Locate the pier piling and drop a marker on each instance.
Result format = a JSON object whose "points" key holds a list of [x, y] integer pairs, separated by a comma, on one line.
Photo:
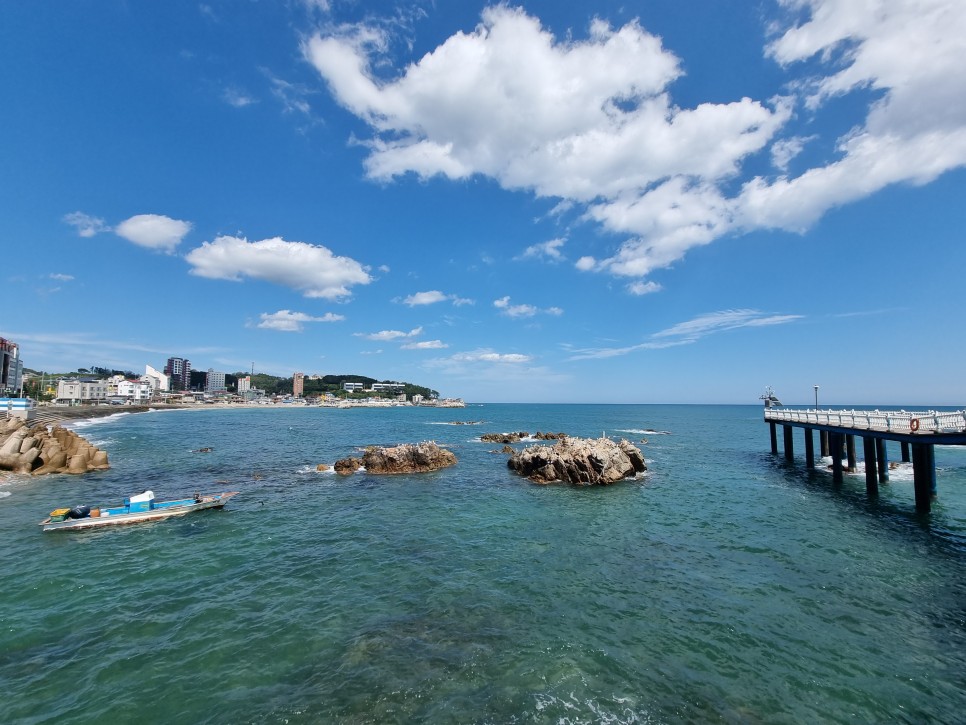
{"points": [[916, 432]]}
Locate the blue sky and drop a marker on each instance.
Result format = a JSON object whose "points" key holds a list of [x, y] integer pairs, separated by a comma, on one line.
{"points": [[539, 202]]}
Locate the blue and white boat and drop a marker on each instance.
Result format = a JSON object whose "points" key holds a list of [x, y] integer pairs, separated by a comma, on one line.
{"points": [[135, 510]]}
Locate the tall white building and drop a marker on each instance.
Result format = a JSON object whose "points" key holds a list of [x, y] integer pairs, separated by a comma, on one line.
{"points": [[159, 381], [244, 384], [215, 382]]}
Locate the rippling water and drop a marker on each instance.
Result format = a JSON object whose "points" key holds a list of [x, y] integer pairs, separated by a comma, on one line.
{"points": [[724, 586]]}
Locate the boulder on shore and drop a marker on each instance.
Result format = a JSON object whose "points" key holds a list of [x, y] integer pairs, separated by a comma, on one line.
{"points": [[581, 461], [406, 458], [38, 451]]}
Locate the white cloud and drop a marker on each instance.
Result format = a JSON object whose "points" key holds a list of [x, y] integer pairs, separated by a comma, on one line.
{"points": [[690, 331], [592, 122], [86, 225], [545, 250], [488, 356], [509, 310], [237, 98], [311, 269], [723, 320], [425, 298], [386, 335], [431, 297], [643, 288], [287, 321], [61, 277], [154, 231], [425, 345]]}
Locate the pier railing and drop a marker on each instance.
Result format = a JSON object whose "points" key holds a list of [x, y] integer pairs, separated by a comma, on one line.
{"points": [[901, 421]]}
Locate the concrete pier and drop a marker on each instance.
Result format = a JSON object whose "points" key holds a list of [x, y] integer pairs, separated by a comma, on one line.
{"points": [[919, 432]]}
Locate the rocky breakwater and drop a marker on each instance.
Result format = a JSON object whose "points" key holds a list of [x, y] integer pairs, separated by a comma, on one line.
{"points": [[581, 461], [37, 450], [406, 458]]}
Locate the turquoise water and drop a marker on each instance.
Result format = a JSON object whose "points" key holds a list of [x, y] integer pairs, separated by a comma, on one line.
{"points": [[724, 586]]}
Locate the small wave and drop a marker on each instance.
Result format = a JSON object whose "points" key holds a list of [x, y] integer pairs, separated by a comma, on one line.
{"points": [[644, 431], [4, 494], [455, 422], [88, 422], [315, 469]]}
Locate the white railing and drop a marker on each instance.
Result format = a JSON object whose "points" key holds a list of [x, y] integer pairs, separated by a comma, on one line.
{"points": [[893, 421]]}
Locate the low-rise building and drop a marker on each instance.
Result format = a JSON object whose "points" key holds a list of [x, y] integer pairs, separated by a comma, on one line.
{"points": [[72, 391]]}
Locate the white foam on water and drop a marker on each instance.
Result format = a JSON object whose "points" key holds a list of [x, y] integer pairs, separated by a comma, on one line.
{"points": [[4, 494], [644, 431], [88, 422]]}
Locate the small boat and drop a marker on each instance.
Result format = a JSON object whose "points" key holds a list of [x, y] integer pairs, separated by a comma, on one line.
{"points": [[135, 510]]}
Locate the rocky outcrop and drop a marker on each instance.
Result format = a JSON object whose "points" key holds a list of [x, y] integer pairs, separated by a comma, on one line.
{"points": [[581, 461], [519, 436], [37, 450], [406, 458]]}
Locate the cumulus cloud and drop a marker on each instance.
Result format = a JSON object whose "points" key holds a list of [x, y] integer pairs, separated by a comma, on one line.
{"points": [[425, 345], [503, 304], [86, 225], [154, 231], [592, 122], [386, 335], [545, 250], [310, 269], [431, 297], [643, 288], [288, 321]]}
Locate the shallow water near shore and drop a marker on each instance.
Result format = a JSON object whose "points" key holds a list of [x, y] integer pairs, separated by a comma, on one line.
{"points": [[726, 585]]}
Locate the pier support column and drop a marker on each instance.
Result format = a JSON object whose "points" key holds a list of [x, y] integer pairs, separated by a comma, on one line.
{"points": [[789, 444], [871, 477], [809, 448], [882, 460], [850, 452], [924, 475], [835, 444], [774, 438], [905, 452], [823, 440]]}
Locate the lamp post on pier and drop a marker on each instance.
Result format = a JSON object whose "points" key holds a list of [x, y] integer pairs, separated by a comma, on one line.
{"points": [[816, 397]]}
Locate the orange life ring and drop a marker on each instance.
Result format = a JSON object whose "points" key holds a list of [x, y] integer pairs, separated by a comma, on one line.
{"points": [[914, 424]]}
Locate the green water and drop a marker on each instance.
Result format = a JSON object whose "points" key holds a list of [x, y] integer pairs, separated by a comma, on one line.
{"points": [[724, 586]]}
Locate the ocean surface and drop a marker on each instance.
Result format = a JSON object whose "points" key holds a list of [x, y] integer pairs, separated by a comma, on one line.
{"points": [[726, 585]]}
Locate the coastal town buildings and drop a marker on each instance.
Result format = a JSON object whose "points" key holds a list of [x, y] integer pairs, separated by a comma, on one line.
{"points": [[215, 382], [298, 384], [11, 366], [73, 391], [159, 381], [244, 384], [178, 371]]}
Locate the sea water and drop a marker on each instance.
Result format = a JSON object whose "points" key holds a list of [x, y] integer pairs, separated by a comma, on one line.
{"points": [[725, 585]]}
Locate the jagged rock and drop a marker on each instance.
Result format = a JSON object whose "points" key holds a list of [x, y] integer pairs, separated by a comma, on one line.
{"points": [[508, 450], [322, 467], [347, 465], [581, 461], [504, 437], [406, 458], [549, 436]]}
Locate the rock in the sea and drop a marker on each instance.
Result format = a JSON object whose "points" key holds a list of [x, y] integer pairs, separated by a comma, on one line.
{"points": [[407, 458], [581, 461], [35, 450], [346, 466], [504, 437]]}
